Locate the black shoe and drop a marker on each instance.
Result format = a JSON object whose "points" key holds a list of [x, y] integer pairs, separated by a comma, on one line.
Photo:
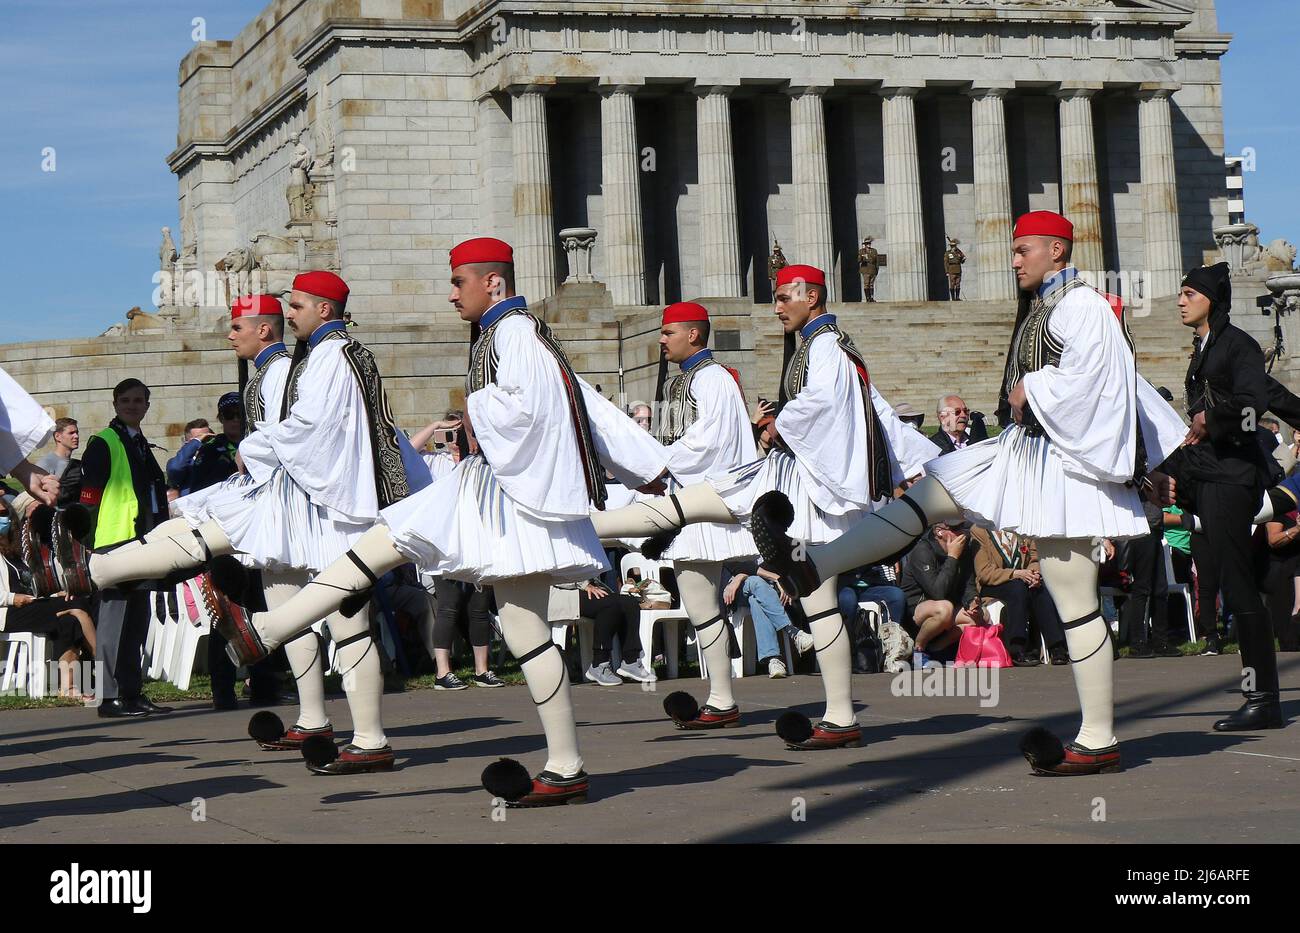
{"points": [[1059, 655], [1211, 647], [1260, 711], [224, 703], [150, 707], [1140, 650], [1166, 650], [119, 708], [1024, 660]]}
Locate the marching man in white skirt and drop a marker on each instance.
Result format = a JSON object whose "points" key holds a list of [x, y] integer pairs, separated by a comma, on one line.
{"points": [[257, 336], [704, 425], [1064, 473], [839, 449], [513, 514], [24, 426], [321, 475]]}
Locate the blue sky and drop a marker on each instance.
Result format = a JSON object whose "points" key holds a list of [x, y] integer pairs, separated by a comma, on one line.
{"points": [[96, 80]]}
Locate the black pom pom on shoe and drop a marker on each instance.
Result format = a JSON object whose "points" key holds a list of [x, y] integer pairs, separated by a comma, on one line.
{"points": [[318, 750], [355, 602], [681, 706], [774, 508], [230, 577], [794, 727], [266, 727], [79, 522], [653, 547], [1042, 748], [507, 779]]}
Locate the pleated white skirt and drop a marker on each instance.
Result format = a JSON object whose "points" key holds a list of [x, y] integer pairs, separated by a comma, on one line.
{"points": [[741, 487], [1018, 483], [465, 527], [276, 524]]}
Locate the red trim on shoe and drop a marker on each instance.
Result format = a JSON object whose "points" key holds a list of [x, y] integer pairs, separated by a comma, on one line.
{"points": [[710, 717], [546, 793], [826, 736], [294, 736], [1079, 760], [353, 760]]}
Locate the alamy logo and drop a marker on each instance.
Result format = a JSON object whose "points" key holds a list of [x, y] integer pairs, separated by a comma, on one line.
{"points": [[103, 886]]}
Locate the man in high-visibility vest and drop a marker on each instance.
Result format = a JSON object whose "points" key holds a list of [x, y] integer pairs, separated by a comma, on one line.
{"points": [[124, 489]]}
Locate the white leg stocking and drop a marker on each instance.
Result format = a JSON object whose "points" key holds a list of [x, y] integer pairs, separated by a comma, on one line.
{"points": [[170, 551], [698, 583], [521, 604], [697, 503], [327, 590], [363, 681], [1070, 575], [834, 657], [303, 652]]}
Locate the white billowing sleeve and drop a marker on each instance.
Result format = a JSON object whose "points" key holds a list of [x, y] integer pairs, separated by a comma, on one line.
{"points": [[909, 449], [24, 425], [272, 387], [523, 426], [1162, 430], [721, 438], [324, 443], [632, 454], [825, 425], [1087, 404]]}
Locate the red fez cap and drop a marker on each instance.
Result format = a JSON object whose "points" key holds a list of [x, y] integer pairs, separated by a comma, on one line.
{"points": [[1044, 223], [255, 305], [323, 285], [810, 275], [482, 249], [684, 312]]}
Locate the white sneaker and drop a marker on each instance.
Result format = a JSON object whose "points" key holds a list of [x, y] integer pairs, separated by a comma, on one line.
{"points": [[636, 671], [601, 674], [803, 641], [776, 669]]}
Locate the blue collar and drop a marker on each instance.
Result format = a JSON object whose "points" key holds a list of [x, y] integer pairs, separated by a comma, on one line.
{"points": [[501, 309], [260, 360], [1057, 280], [695, 359], [324, 331], [816, 323]]}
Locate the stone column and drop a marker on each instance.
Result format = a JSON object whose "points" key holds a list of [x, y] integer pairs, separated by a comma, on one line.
{"points": [[1159, 193], [1080, 192], [620, 184], [719, 222], [813, 241], [534, 208], [994, 280], [904, 224]]}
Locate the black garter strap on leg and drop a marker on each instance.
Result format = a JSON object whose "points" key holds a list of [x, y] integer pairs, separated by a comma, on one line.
{"points": [[352, 639], [303, 634], [360, 565], [315, 651], [537, 653], [1084, 620], [825, 615], [733, 646], [681, 514], [920, 513]]}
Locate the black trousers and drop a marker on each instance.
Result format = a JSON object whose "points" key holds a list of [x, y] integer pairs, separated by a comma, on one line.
{"points": [[457, 601], [121, 626], [1207, 586], [1021, 605], [1145, 562], [263, 685], [1280, 592], [1225, 513], [614, 614]]}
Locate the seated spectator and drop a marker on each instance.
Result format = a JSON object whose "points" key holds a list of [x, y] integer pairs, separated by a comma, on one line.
{"points": [[613, 614], [178, 467], [939, 581], [460, 605], [878, 583], [954, 422], [1006, 569], [65, 623], [649, 592], [767, 608], [1283, 539], [642, 414]]}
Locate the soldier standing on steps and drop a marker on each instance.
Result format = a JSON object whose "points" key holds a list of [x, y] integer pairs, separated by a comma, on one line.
{"points": [[953, 258], [775, 263], [869, 268]]}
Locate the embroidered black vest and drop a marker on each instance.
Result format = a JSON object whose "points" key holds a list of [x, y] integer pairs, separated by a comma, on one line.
{"points": [[680, 409], [390, 473], [483, 362], [880, 477], [254, 411]]}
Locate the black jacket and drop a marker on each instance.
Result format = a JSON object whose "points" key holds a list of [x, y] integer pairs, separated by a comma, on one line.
{"points": [[929, 573], [146, 478], [1227, 382]]}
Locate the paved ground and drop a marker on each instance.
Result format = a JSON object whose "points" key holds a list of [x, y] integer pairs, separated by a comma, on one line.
{"points": [[934, 769]]}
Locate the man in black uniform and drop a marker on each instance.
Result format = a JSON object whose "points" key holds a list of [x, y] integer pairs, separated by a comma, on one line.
{"points": [[1222, 471]]}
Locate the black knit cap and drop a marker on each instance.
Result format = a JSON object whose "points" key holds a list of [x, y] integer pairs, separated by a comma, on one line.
{"points": [[1214, 282]]}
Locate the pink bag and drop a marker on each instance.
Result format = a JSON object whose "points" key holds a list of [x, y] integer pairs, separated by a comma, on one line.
{"points": [[981, 646]]}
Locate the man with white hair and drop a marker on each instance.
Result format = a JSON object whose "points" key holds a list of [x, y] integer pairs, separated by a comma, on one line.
{"points": [[954, 421]]}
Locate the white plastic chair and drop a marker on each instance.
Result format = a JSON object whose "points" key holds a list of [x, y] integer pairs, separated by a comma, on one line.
{"points": [[650, 570], [994, 609], [25, 663], [1180, 589], [586, 637]]}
